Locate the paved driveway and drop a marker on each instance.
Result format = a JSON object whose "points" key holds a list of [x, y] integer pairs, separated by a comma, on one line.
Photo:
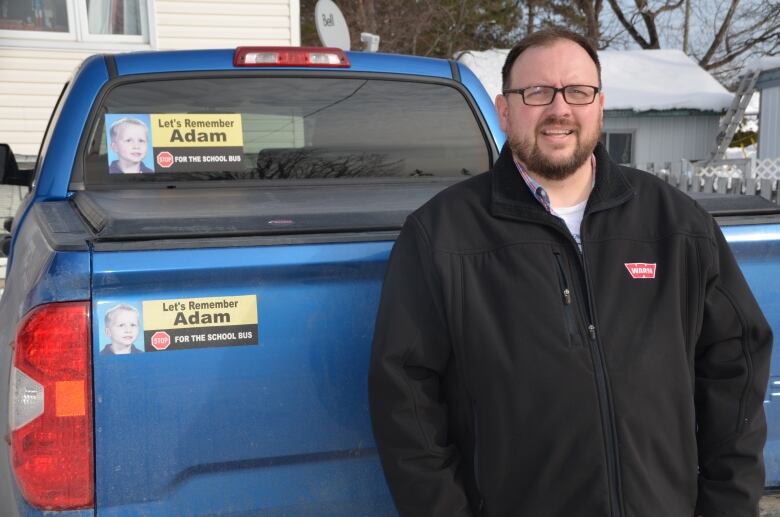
{"points": [[770, 506]]}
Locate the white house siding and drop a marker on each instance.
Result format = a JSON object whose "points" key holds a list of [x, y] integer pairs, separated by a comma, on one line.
{"points": [[665, 138], [769, 123], [32, 78], [209, 24], [30, 82]]}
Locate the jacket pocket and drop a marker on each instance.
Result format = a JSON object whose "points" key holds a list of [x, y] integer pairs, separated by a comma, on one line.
{"points": [[567, 298]]}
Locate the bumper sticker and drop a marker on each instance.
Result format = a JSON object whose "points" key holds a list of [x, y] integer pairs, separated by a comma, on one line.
{"points": [[185, 323]]}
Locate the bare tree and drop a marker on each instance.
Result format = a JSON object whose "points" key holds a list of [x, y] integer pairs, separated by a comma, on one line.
{"points": [[367, 15], [426, 27], [530, 22], [648, 16], [591, 10], [752, 28], [686, 25], [737, 28]]}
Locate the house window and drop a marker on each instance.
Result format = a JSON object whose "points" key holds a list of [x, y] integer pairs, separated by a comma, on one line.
{"points": [[109, 21], [619, 146], [115, 17], [31, 15]]}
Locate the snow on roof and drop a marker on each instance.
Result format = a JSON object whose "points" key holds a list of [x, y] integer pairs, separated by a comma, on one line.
{"points": [[638, 80]]}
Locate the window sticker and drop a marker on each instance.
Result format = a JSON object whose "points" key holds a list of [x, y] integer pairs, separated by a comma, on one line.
{"points": [[185, 323], [149, 143], [129, 145], [120, 325]]}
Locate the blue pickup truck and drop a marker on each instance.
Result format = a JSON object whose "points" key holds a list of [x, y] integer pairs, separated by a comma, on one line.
{"points": [[223, 218]]}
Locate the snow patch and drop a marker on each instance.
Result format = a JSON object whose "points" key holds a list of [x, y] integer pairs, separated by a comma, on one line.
{"points": [[637, 80], [736, 153]]}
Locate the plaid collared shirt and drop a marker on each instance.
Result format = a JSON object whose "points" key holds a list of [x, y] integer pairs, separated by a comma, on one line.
{"points": [[538, 191]]}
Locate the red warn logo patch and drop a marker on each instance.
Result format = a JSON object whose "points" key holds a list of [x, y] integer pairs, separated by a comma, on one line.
{"points": [[641, 270]]}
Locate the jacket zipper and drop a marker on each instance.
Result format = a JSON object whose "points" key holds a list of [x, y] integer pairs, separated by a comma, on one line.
{"points": [[602, 382], [567, 299], [607, 409]]}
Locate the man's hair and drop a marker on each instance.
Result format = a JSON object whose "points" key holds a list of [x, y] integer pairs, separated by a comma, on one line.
{"points": [[120, 307], [123, 121], [546, 37]]}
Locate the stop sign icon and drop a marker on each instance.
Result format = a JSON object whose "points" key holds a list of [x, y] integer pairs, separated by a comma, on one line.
{"points": [[161, 340], [164, 159]]}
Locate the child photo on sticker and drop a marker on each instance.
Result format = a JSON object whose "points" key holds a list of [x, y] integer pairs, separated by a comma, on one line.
{"points": [[129, 144], [122, 327]]}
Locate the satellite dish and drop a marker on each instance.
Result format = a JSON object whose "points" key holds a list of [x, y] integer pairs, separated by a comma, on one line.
{"points": [[331, 25]]}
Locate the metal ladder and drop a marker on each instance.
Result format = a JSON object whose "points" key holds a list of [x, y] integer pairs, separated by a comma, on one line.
{"points": [[730, 121]]}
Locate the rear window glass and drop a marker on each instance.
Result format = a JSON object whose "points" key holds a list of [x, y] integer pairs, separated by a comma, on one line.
{"points": [[283, 128]]}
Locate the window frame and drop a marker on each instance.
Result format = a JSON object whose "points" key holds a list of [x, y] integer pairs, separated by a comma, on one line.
{"points": [[606, 133], [78, 35]]}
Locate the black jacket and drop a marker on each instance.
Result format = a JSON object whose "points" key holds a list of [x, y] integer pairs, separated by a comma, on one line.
{"points": [[512, 376]]}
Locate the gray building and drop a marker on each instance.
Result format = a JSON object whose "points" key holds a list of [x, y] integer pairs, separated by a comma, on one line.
{"points": [[660, 106], [768, 85], [658, 139]]}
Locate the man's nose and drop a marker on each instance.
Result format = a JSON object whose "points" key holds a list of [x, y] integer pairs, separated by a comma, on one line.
{"points": [[559, 107]]}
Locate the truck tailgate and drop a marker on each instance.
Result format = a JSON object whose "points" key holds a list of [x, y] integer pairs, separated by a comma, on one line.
{"points": [[280, 426], [257, 397]]}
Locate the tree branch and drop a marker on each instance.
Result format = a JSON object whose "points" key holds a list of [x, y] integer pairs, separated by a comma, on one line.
{"points": [[648, 17], [718, 39], [667, 7], [627, 25]]}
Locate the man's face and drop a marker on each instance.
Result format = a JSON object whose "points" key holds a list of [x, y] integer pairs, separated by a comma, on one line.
{"points": [[552, 141], [130, 143], [122, 328]]}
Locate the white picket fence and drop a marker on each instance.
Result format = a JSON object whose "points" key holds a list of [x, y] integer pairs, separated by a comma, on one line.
{"points": [[741, 176], [748, 168]]}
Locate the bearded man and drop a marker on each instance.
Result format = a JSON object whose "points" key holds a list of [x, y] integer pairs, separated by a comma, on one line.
{"points": [[563, 336]]}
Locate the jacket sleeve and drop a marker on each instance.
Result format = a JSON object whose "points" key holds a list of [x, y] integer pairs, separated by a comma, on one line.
{"points": [[410, 353], [732, 367]]}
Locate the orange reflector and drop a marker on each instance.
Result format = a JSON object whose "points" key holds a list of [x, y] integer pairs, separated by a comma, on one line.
{"points": [[291, 56], [69, 398]]}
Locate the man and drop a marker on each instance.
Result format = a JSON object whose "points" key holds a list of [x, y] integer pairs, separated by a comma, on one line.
{"points": [[563, 336]]}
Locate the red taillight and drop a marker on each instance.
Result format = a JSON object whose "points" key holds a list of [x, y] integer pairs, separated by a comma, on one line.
{"points": [[51, 407], [290, 56]]}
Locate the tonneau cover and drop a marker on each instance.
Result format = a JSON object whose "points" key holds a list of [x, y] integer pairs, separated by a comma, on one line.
{"points": [[734, 204], [121, 215]]}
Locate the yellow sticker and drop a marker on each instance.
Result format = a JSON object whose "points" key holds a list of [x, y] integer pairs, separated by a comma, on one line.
{"points": [[183, 130], [185, 323]]}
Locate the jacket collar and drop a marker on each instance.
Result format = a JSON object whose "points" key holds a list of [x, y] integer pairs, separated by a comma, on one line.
{"points": [[512, 198]]}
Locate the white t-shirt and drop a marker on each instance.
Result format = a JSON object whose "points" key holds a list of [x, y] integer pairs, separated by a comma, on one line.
{"points": [[572, 216]]}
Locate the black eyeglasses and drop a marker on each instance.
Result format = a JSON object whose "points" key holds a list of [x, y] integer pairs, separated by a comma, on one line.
{"points": [[576, 94]]}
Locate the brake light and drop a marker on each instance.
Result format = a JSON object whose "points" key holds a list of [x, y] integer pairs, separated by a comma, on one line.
{"points": [[51, 407], [290, 56]]}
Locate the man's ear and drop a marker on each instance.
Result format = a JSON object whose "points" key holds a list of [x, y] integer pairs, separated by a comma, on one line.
{"points": [[502, 108]]}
